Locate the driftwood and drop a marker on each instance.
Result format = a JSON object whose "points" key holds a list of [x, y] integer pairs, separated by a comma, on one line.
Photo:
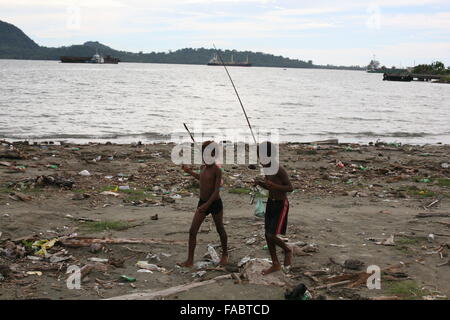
{"points": [[432, 203], [6, 142], [20, 196], [444, 223], [431, 215], [386, 298], [12, 154], [77, 242], [335, 284], [154, 295]]}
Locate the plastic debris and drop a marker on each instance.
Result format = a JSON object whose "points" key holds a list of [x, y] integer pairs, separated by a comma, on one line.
{"points": [[144, 271], [42, 245], [84, 173], [203, 264], [243, 261], [127, 278], [260, 209], [110, 193], [198, 274], [213, 254], [101, 260], [300, 292], [149, 266]]}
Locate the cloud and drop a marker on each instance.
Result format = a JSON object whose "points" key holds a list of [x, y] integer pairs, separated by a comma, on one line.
{"points": [[325, 31], [403, 53]]}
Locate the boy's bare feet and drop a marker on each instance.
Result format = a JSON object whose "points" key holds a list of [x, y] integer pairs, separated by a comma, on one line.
{"points": [[186, 264], [288, 257], [273, 268], [223, 260]]}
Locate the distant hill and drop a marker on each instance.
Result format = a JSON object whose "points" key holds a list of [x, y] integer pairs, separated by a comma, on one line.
{"points": [[14, 44]]}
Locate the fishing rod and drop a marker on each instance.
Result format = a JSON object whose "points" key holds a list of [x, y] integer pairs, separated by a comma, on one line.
{"points": [[192, 137], [254, 189], [237, 94]]}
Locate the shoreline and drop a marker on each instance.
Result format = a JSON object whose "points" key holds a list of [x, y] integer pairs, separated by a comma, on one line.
{"points": [[58, 142]]}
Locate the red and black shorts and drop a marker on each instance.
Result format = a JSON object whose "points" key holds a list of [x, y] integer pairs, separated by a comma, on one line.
{"points": [[276, 216]]}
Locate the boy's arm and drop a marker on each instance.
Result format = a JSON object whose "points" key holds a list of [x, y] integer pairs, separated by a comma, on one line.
{"points": [[216, 192], [286, 185], [189, 171]]}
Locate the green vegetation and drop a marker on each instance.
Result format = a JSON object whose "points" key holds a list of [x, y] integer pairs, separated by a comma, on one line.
{"points": [[444, 182], [16, 45], [445, 79], [436, 67], [407, 290], [106, 225], [421, 192], [410, 240], [239, 191], [79, 191], [7, 190]]}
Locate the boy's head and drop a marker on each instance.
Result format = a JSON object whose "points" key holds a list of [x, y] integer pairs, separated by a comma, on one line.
{"points": [[268, 156], [209, 152]]}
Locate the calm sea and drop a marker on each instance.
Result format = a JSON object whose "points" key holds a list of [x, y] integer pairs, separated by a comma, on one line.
{"points": [[48, 100]]}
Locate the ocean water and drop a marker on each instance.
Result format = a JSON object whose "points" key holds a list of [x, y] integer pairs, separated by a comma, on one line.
{"points": [[130, 102]]}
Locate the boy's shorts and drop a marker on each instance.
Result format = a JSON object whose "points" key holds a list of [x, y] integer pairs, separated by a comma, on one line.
{"points": [[214, 208], [276, 216]]}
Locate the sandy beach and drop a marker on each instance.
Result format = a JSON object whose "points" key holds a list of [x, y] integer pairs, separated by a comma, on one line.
{"points": [[353, 206]]}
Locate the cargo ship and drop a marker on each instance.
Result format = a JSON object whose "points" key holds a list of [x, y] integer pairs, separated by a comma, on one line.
{"points": [[94, 59], [215, 61]]}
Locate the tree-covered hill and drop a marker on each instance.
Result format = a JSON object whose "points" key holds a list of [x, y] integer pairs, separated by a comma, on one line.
{"points": [[14, 44]]}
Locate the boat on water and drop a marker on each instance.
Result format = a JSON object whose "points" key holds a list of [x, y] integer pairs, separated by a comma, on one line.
{"points": [[374, 67], [96, 58], [215, 61]]}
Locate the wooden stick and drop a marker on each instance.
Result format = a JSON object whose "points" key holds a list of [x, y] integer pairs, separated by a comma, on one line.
{"points": [[153, 295], [326, 286], [431, 215], [86, 242], [192, 137], [237, 94]]}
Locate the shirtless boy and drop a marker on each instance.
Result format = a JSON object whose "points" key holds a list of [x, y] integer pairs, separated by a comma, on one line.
{"points": [[210, 178], [277, 208]]}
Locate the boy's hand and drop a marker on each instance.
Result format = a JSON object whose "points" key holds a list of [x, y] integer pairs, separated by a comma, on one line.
{"points": [[258, 182], [270, 184], [185, 168], [202, 208]]}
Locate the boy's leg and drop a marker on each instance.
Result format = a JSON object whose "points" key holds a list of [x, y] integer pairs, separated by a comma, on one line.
{"points": [[196, 223], [218, 221], [271, 244], [287, 251]]}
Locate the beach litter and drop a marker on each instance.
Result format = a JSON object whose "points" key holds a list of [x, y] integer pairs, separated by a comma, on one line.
{"points": [[84, 173], [149, 266], [252, 272]]}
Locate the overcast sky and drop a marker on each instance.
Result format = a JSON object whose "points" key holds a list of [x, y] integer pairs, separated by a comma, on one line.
{"points": [[398, 32]]}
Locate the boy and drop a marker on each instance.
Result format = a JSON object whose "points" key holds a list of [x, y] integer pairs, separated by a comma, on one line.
{"points": [[278, 183], [210, 178]]}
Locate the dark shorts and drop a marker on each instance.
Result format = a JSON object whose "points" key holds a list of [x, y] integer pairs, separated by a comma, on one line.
{"points": [[276, 216], [214, 208]]}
